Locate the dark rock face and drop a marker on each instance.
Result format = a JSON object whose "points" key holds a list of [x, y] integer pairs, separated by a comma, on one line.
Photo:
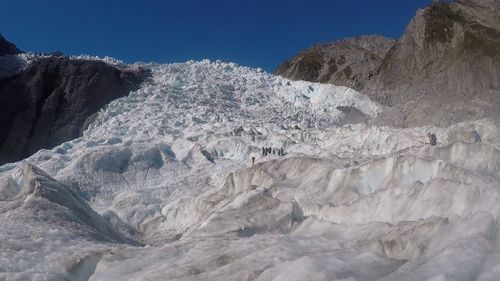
{"points": [[444, 69], [7, 48], [349, 62], [50, 102]]}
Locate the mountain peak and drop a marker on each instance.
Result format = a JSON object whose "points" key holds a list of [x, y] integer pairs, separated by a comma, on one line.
{"points": [[7, 48]]}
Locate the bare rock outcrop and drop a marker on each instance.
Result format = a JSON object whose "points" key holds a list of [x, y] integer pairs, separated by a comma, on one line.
{"points": [[444, 69], [349, 62], [7, 48], [53, 99]]}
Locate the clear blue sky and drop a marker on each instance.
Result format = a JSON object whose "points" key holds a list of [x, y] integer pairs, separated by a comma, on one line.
{"points": [[258, 33]]}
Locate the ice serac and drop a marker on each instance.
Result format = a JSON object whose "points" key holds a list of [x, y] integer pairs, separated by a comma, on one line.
{"points": [[444, 69], [53, 99], [350, 62]]}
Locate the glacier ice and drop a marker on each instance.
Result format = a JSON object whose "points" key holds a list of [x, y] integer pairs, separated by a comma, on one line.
{"points": [[161, 187]]}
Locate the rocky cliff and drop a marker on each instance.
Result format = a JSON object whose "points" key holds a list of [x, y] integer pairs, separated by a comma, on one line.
{"points": [[7, 48], [444, 69], [350, 62], [53, 99]]}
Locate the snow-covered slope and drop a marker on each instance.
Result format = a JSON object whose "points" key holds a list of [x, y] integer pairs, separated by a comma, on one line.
{"points": [[169, 167]]}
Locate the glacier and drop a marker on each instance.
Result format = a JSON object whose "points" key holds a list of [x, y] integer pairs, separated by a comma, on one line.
{"points": [[161, 187]]}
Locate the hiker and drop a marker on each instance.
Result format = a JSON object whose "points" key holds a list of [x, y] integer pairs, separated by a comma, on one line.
{"points": [[476, 136], [432, 138], [253, 160], [264, 151], [282, 151]]}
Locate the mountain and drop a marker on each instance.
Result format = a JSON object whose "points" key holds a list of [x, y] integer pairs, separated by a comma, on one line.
{"points": [[7, 48], [350, 62], [51, 99], [444, 69]]}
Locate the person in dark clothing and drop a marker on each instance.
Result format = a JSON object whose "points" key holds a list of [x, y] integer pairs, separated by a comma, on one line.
{"points": [[432, 138], [263, 151], [282, 151], [476, 136]]}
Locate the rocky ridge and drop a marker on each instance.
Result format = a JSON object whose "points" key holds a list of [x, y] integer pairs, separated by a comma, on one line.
{"points": [[350, 62]]}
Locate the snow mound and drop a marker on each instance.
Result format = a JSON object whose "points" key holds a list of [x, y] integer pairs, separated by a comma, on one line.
{"points": [[49, 231], [30, 188]]}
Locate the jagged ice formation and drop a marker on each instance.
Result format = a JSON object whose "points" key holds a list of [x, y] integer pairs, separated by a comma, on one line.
{"points": [[169, 167]]}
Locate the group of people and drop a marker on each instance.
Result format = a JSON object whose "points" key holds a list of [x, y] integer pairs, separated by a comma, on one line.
{"points": [[280, 151], [433, 139], [273, 150]]}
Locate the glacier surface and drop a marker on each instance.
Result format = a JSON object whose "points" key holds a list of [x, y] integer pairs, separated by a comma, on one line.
{"points": [[161, 187]]}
